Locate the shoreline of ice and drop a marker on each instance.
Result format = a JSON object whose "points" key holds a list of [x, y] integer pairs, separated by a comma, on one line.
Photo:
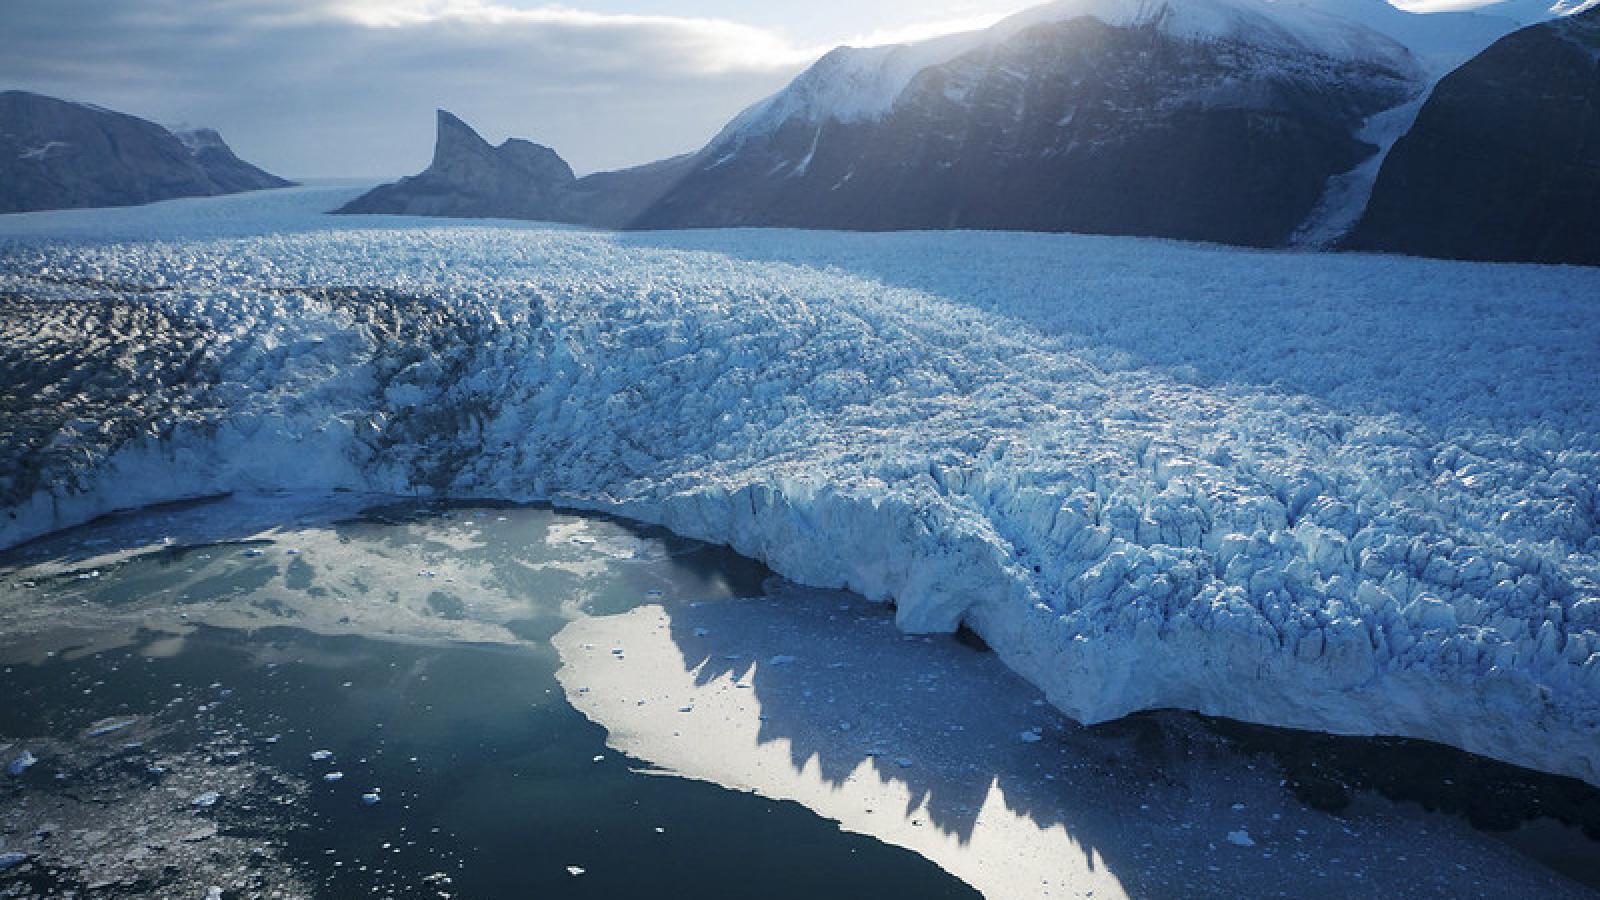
{"points": [[1353, 494]]}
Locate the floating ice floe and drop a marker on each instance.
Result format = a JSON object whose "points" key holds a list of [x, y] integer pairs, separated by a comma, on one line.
{"points": [[109, 726]]}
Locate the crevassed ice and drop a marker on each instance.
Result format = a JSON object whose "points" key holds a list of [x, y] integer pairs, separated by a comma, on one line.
{"points": [[1346, 493]]}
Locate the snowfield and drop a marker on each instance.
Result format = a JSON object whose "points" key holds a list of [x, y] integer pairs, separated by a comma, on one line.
{"points": [[1347, 493]]}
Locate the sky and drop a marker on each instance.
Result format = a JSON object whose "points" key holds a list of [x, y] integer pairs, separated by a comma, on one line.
{"points": [[347, 88]]}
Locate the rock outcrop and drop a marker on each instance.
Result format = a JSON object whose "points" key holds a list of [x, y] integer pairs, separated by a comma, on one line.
{"points": [[469, 178], [227, 171]]}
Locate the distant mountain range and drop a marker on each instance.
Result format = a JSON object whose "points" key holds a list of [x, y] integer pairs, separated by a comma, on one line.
{"points": [[1239, 121], [56, 154]]}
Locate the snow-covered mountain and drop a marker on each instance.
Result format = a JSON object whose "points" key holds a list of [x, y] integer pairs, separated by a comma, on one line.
{"points": [[853, 85], [1256, 122], [1204, 119], [1504, 160], [55, 154]]}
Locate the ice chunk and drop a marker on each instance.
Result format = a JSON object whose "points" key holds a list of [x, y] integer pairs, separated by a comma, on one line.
{"points": [[22, 763], [109, 726]]}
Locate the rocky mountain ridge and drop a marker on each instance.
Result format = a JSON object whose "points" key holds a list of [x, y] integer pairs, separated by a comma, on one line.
{"points": [[55, 154]]}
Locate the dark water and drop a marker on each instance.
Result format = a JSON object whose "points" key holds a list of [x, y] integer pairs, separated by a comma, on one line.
{"points": [[413, 644], [489, 783], [485, 773]]}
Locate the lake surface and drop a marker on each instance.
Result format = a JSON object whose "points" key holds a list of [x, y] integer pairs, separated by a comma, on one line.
{"points": [[338, 696]]}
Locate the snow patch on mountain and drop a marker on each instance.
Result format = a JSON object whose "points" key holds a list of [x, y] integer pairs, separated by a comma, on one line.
{"points": [[45, 150], [862, 84]]}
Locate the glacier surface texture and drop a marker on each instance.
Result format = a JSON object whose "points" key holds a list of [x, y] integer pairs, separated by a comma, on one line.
{"points": [[1348, 493]]}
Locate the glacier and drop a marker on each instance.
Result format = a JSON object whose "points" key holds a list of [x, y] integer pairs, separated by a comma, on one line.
{"points": [[1339, 492]]}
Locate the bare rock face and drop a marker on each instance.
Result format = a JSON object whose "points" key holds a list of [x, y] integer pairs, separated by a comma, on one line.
{"points": [[469, 178], [58, 155], [1068, 126], [1207, 121], [1504, 160]]}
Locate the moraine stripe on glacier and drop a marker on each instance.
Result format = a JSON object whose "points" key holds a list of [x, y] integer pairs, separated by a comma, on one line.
{"points": [[1347, 493]]}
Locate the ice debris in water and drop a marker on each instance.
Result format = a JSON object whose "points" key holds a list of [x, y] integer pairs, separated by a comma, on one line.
{"points": [[23, 762], [1032, 736], [10, 860], [321, 755], [333, 776], [575, 870], [207, 799], [1240, 838], [370, 798], [108, 726]]}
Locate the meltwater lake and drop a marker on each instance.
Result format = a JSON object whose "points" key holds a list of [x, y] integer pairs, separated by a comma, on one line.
{"points": [[343, 695]]}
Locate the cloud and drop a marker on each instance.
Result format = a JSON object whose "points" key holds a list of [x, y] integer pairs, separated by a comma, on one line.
{"points": [[699, 44], [349, 86], [313, 88], [922, 31]]}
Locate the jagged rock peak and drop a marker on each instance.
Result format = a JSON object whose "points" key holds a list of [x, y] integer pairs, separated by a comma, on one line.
{"points": [[470, 178]]}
